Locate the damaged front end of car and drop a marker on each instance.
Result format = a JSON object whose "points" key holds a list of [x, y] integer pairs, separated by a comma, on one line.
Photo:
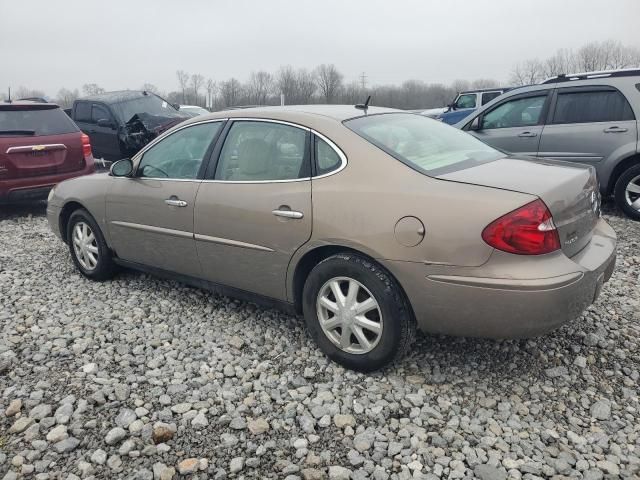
{"points": [[144, 127]]}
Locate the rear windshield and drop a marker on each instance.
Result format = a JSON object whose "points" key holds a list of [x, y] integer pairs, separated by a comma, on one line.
{"points": [[37, 122], [422, 143]]}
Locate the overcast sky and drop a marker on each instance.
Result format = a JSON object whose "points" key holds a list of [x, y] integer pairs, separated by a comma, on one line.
{"points": [[117, 44]]}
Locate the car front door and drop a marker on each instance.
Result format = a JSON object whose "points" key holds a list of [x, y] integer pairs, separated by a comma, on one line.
{"points": [[254, 210], [104, 133], [587, 124], [150, 215], [514, 125]]}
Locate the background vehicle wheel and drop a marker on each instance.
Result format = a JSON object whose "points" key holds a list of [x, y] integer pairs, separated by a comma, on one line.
{"points": [[357, 313], [627, 192], [88, 248]]}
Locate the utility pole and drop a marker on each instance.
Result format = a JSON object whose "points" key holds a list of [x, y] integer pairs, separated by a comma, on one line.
{"points": [[363, 81]]}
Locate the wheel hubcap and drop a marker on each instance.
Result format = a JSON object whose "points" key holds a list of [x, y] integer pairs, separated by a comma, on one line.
{"points": [[85, 246], [632, 193], [349, 315]]}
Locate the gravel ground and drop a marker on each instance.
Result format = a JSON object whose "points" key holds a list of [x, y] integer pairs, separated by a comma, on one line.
{"points": [[144, 378]]}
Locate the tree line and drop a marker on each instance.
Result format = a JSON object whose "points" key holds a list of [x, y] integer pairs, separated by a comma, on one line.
{"points": [[326, 84]]}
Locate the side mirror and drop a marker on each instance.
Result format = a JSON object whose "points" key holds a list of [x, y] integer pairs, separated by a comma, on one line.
{"points": [[122, 168], [475, 124], [176, 106], [103, 122]]}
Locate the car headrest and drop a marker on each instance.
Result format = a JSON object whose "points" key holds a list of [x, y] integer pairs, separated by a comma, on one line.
{"points": [[253, 157]]}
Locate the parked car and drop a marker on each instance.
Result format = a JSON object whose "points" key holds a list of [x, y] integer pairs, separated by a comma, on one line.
{"points": [[39, 147], [467, 102], [121, 123], [410, 221], [193, 110], [431, 112], [588, 118]]}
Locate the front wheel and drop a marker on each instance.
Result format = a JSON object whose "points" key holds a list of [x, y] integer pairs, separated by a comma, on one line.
{"points": [[627, 192], [89, 250], [357, 313]]}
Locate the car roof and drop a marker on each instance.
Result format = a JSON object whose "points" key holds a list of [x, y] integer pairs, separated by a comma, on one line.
{"points": [[335, 112], [117, 96], [27, 105]]}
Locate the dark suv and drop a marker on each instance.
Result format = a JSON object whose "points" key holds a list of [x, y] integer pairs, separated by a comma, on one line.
{"points": [[589, 118], [121, 123], [39, 147]]}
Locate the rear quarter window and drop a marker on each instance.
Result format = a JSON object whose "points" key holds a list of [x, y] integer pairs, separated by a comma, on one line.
{"points": [[51, 121]]}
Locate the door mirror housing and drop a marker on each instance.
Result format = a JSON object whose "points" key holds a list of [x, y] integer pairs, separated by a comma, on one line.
{"points": [[122, 168], [104, 122], [176, 106], [475, 124]]}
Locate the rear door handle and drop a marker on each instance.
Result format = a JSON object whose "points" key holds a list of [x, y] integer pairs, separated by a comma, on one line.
{"points": [[175, 202], [287, 213], [614, 130], [528, 134]]}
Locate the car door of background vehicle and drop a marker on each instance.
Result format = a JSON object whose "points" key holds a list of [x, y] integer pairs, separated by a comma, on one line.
{"points": [[104, 138], [150, 216], [515, 125], [254, 209], [587, 124]]}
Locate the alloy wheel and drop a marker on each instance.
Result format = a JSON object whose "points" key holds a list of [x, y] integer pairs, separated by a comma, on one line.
{"points": [[632, 193], [85, 246], [349, 315]]}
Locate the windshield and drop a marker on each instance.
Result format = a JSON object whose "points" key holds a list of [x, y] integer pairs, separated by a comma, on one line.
{"points": [[422, 143], [151, 104]]}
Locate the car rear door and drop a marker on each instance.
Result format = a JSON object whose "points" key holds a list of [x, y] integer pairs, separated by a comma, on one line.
{"points": [[150, 215], [587, 124], [254, 209], [515, 125]]}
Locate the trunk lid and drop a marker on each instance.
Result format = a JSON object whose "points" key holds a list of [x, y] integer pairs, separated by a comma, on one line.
{"points": [[569, 190]]}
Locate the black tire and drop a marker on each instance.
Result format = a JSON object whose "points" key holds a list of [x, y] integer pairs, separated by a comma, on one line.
{"points": [[398, 327], [620, 191], [105, 267]]}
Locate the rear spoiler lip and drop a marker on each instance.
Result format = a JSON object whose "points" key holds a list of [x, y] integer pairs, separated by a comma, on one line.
{"points": [[14, 106]]}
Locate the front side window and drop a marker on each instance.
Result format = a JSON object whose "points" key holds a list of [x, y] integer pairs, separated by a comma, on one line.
{"points": [[429, 146], [488, 96], [179, 155], [83, 112], [466, 101], [327, 159], [590, 107], [99, 113], [521, 112], [264, 151]]}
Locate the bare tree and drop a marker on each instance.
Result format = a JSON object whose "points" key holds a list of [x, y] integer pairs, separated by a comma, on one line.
{"points": [[24, 92], [485, 83], [460, 85], [92, 89], [230, 91], [329, 81], [527, 73], [306, 86], [183, 80], [259, 87], [66, 97], [197, 81], [287, 83]]}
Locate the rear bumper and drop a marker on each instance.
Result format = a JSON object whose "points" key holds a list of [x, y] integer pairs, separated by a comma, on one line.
{"points": [[31, 189], [501, 306]]}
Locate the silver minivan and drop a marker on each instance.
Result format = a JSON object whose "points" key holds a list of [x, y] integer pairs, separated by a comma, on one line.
{"points": [[589, 118]]}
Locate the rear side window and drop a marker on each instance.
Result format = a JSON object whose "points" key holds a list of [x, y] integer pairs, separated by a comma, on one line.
{"points": [[264, 151], [50, 121], [327, 159], [590, 107], [488, 96], [83, 112]]}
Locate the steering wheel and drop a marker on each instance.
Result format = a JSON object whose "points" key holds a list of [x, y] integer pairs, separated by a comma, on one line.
{"points": [[166, 175]]}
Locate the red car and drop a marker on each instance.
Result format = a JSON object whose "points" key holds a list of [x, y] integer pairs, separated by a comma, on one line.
{"points": [[39, 147]]}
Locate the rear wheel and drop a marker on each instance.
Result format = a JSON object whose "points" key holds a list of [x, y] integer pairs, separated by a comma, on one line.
{"points": [[89, 250], [356, 313], [627, 192]]}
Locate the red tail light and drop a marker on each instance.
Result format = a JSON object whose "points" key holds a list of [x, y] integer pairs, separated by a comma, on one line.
{"points": [[86, 146], [529, 230]]}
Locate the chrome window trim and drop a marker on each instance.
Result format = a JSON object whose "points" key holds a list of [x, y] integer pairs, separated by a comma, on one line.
{"points": [[339, 152], [138, 156]]}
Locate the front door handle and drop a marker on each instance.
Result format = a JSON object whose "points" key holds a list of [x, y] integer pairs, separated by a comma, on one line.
{"points": [[528, 134], [175, 202], [615, 129], [287, 213]]}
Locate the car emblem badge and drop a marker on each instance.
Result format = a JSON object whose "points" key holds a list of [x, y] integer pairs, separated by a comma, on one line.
{"points": [[37, 148]]}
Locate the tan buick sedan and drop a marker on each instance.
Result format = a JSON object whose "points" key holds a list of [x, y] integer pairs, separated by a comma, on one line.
{"points": [[369, 222]]}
